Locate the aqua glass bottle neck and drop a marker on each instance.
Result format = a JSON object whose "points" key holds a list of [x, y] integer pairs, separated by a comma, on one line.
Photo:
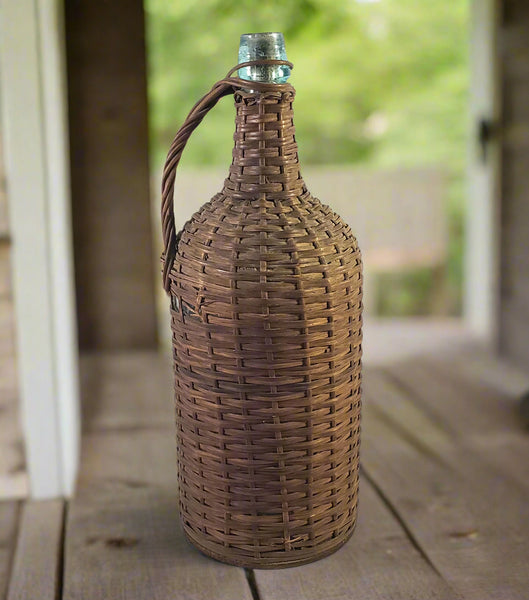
{"points": [[255, 46]]}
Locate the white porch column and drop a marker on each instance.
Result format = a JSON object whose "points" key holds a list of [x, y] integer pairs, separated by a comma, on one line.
{"points": [[33, 100], [481, 293]]}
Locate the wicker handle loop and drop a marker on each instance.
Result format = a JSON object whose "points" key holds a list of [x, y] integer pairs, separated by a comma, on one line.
{"points": [[224, 87]]}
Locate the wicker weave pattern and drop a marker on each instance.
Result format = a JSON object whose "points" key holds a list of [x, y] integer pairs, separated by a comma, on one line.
{"points": [[266, 317]]}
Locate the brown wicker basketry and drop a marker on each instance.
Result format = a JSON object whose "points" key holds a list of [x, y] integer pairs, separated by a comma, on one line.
{"points": [[265, 285]]}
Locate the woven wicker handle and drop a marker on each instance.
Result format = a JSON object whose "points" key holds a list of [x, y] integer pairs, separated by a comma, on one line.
{"points": [[224, 87]]}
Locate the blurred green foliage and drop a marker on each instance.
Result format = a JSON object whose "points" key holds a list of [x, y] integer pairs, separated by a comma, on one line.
{"points": [[379, 83]]}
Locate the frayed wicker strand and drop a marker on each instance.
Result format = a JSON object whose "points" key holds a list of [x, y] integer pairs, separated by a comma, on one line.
{"points": [[266, 286]]}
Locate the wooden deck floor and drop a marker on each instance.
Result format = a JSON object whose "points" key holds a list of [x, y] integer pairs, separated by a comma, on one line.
{"points": [[444, 502]]}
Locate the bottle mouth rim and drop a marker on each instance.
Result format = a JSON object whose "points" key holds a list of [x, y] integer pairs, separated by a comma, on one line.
{"points": [[262, 34]]}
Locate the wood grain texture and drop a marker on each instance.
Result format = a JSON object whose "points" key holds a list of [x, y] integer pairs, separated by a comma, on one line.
{"points": [[128, 420], [131, 458], [13, 476], [123, 535], [495, 373], [127, 390], [438, 518], [37, 567], [128, 543], [109, 167], [482, 419], [13, 473], [379, 561], [470, 518], [9, 518], [5, 269], [513, 55]]}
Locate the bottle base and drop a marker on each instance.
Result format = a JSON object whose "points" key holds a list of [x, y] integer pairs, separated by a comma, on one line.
{"points": [[279, 560]]}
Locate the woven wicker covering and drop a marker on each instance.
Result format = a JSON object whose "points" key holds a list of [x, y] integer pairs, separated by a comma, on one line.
{"points": [[265, 286]]}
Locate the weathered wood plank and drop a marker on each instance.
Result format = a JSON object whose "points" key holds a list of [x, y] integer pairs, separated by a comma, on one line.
{"points": [[13, 474], [37, 568], [128, 420], [132, 458], [127, 390], [462, 407], [110, 174], [512, 44], [5, 269], [515, 335], [482, 419], [469, 518], [493, 372], [513, 56], [123, 535], [379, 561], [9, 517], [129, 544]]}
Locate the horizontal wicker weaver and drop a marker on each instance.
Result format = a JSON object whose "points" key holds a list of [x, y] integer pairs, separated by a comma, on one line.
{"points": [[266, 298]]}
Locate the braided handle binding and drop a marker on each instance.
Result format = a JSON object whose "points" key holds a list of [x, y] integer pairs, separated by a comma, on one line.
{"points": [[222, 88]]}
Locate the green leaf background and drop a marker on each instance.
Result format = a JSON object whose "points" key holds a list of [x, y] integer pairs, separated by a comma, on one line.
{"points": [[380, 84]]}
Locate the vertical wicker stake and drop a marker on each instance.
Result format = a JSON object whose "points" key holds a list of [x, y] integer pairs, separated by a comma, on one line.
{"points": [[266, 300]]}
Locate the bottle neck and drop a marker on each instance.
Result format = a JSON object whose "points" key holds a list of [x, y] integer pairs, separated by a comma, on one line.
{"points": [[265, 155], [256, 46]]}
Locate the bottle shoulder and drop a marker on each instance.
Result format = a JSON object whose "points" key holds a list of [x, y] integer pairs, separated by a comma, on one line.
{"points": [[299, 225]]}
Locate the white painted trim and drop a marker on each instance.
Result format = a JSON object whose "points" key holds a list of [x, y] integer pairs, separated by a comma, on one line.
{"points": [[53, 52], [32, 88], [481, 292]]}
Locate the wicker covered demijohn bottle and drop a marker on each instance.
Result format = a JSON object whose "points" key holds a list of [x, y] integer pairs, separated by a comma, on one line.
{"points": [[265, 284]]}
